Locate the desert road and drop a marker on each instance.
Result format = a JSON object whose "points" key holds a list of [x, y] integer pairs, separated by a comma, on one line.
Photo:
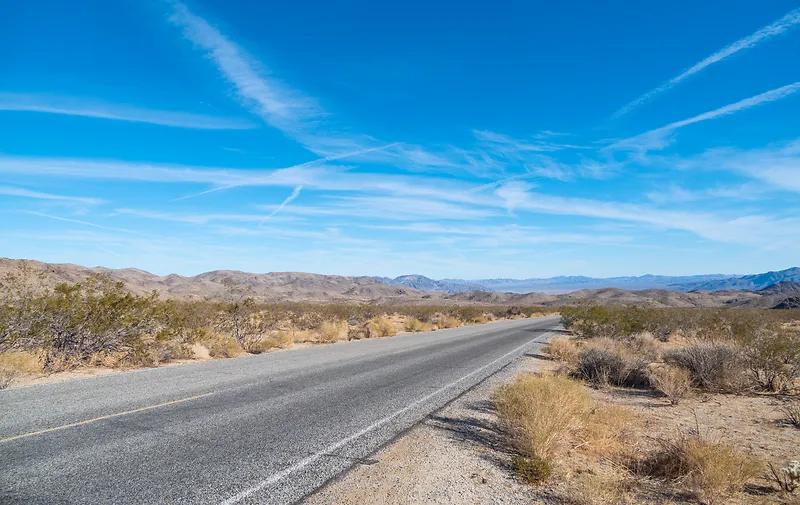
{"points": [[260, 429]]}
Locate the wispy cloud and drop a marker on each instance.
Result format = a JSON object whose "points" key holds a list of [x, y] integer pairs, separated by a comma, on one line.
{"points": [[276, 103], [660, 137], [76, 221], [776, 165], [26, 193], [256, 181], [778, 27], [72, 106]]}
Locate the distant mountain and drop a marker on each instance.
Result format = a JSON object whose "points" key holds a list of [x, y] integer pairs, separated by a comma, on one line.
{"points": [[781, 288], [422, 283], [567, 284], [753, 282]]}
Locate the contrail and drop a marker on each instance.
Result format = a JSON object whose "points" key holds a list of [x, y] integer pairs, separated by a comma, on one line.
{"points": [[780, 26], [308, 163], [283, 204]]}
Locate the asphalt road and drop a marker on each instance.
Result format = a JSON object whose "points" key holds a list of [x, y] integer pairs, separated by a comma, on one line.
{"points": [[262, 429]]}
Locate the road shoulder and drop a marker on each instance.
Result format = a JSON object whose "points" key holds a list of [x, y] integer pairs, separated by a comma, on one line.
{"points": [[456, 455]]}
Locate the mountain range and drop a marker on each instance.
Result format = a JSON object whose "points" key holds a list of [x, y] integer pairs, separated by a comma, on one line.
{"points": [[568, 284], [774, 289]]}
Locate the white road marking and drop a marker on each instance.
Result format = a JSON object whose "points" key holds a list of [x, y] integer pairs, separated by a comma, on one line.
{"points": [[274, 478]]}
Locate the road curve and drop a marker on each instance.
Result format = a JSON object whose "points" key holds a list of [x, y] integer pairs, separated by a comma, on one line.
{"points": [[265, 429]]}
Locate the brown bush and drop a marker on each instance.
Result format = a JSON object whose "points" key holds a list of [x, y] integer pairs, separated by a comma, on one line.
{"points": [[223, 347], [448, 322], [713, 366], [563, 349], [380, 327], [414, 325], [714, 470], [539, 413], [612, 364], [673, 382], [331, 331]]}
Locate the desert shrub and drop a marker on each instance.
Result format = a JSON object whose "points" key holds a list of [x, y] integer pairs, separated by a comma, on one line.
{"points": [[284, 339], [380, 327], [612, 365], [532, 469], [715, 470], [223, 347], [673, 382], [261, 345], [330, 331], [563, 349], [713, 366], [773, 358], [481, 319], [414, 325], [539, 413], [792, 411], [447, 322]]}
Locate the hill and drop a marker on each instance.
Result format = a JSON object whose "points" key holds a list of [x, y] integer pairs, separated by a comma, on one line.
{"points": [[222, 284], [407, 289]]}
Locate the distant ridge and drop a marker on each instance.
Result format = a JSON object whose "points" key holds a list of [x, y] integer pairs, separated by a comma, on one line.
{"points": [[408, 289]]}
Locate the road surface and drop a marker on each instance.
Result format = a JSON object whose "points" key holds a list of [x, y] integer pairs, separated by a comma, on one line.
{"points": [[265, 429]]}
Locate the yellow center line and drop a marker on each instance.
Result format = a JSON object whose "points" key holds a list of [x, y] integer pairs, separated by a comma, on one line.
{"points": [[101, 418]]}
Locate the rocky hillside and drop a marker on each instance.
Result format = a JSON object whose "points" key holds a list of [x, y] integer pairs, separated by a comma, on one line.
{"points": [[222, 284], [298, 286]]}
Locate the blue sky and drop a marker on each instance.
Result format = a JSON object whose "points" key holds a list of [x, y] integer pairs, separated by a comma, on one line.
{"points": [[451, 139]]}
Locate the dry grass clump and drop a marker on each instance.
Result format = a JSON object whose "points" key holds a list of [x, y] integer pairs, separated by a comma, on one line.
{"points": [[331, 331], [540, 412], [380, 327], [673, 382], [220, 346], [414, 325], [563, 349], [546, 416], [608, 430], [14, 364], [448, 322], [713, 470]]}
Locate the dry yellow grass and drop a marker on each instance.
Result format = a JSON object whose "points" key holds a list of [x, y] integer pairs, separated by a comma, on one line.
{"points": [[14, 364], [608, 431], [331, 331], [220, 346], [414, 325], [381, 327], [673, 382], [448, 322], [714, 470], [540, 412], [563, 349]]}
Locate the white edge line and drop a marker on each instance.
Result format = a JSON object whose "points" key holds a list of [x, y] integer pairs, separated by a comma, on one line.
{"points": [[272, 479]]}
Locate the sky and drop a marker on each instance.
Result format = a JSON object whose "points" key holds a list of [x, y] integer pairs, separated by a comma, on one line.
{"points": [[451, 139]]}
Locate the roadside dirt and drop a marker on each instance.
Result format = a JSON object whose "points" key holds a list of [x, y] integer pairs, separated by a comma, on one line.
{"points": [[456, 455]]}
